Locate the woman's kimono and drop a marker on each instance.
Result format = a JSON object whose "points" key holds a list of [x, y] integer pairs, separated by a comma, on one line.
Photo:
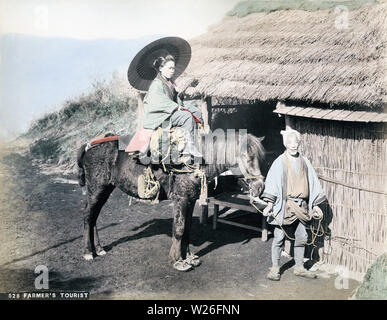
{"points": [[160, 102], [292, 189]]}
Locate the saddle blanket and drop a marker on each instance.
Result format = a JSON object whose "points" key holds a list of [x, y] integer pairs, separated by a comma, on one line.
{"points": [[138, 143]]}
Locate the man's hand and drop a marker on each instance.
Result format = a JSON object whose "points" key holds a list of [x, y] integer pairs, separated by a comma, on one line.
{"points": [[317, 212], [268, 209]]}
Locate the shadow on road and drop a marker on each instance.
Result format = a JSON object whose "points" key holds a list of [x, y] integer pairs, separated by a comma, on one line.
{"points": [[200, 234], [51, 247]]}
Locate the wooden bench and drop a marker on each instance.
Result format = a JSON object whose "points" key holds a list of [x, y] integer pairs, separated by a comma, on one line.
{"points": [[236, 201]]}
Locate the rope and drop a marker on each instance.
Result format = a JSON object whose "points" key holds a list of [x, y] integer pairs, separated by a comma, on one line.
{"points": [[250, 177], [152, 186], [175, 140], [361, 210], [350, 186], [343, 242], [353, 172], [315, 232]]}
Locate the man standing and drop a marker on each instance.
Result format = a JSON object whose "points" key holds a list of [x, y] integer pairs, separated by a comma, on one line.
{"points": [[293, 193]]}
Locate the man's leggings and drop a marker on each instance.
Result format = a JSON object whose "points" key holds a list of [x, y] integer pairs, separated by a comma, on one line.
{"points": [[301, 237]]}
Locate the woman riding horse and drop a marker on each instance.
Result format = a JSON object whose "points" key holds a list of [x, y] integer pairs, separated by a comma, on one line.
{"points": [[163, 106]]}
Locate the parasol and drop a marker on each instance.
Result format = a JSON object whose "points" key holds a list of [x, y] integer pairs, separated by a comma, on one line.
{"points": [[141, 72]]}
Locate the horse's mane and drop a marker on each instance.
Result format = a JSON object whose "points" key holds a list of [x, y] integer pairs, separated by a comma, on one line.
{"points": [[254, 146], [223, 147]]}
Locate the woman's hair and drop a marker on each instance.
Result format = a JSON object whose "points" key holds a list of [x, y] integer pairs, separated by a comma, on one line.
{"points": [[161, 61]]}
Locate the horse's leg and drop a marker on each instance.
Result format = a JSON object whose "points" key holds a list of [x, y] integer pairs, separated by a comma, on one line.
{"points": [[180, 209], [187, 230], [95, 202], [87, 249], [98, 248], [189, 256]]}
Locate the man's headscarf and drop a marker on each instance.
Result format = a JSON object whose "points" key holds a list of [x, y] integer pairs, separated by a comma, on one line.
{"points": [[288, 132]]}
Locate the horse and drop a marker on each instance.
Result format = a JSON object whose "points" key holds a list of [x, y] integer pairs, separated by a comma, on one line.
{"points": [[103, 168]]}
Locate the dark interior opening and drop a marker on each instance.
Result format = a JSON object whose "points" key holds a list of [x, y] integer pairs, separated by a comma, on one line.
{"points": [[259, 120]]}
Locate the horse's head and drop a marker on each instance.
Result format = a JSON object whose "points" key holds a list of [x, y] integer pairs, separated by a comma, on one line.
{"points": [[249, 165], [236, 149]]}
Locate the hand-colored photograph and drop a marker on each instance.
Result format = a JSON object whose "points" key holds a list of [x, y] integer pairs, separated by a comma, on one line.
{"points": [[167, 150]]}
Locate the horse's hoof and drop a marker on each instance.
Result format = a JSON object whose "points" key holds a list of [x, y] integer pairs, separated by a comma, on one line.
{"points": [[88, 256], [101, 253]]}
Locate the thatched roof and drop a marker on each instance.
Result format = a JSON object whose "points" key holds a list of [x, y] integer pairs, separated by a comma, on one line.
{"points": [[294, 55]]}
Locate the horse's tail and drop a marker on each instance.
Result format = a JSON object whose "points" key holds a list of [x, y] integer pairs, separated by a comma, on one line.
{"points": [[81, 170]]}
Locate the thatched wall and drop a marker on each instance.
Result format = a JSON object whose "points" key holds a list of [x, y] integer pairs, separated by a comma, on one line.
{"points": [[294, 55], [351, 160]]}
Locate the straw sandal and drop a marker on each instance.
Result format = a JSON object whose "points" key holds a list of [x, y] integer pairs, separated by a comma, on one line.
{"points": [[274, 274], [302, 272], [193, 260], [182, 265]]}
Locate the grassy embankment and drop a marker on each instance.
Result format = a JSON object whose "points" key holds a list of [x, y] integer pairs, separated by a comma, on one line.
{"points": [[110, 106], [245, 8]]}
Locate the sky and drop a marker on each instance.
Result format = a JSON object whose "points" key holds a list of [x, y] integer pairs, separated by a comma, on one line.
{"points": [[37, 68], [88, 19]]}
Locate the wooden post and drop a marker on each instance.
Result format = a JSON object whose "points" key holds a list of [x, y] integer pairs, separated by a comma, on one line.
{"points": [[205, 106], [264, 233], [215, 216], [140, 109], [206, 114], [289, 122], [204, 214]]}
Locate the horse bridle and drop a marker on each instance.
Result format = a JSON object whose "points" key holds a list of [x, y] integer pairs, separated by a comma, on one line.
{"points": [[246, 175], [250, 177]]}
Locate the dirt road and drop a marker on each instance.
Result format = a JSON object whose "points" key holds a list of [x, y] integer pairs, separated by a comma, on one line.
{"points": [[41, 224]]}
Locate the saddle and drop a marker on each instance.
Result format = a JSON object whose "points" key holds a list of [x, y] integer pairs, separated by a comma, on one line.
{"points": [[167, 146], [164, 146]]}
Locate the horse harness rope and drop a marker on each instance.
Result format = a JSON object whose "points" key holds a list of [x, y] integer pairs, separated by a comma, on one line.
{"points": [[315, 232]]}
